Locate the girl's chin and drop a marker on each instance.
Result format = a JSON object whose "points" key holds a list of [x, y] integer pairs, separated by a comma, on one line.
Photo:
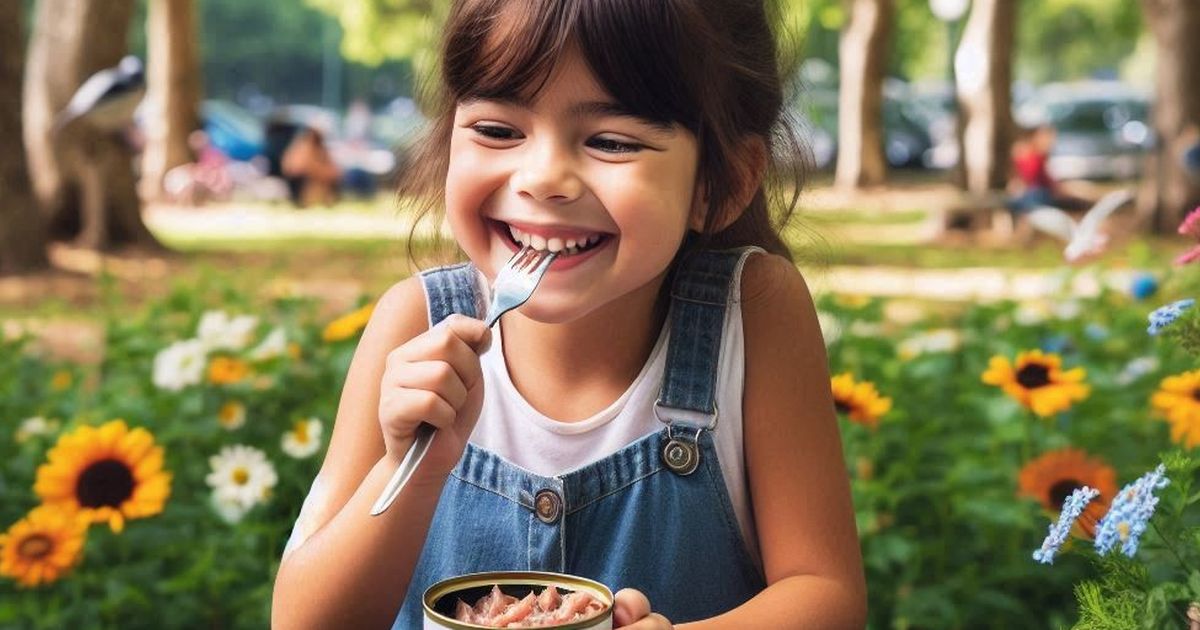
{"points": [[546, 309]]}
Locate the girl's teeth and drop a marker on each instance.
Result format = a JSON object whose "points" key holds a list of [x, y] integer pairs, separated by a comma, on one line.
{"points": [[565, 247]]}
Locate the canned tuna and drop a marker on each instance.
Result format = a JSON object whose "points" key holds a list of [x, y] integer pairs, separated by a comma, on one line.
{"points": [[518, 599]]}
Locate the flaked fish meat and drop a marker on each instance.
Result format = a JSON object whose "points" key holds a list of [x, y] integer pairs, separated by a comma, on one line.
{"points": [[546, 609]]}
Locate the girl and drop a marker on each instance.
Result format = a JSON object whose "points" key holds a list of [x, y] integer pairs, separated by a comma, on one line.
{"points": [[658, 416]]}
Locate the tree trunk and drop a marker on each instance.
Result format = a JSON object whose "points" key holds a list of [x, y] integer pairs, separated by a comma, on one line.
{"points": [[983, 67], [22, 233], [1169, 193], [83, 178], [862, 53], [173, 91]]}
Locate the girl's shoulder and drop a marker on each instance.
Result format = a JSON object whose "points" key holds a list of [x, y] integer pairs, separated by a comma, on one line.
{"points": [[771, 281], [400, 313]]}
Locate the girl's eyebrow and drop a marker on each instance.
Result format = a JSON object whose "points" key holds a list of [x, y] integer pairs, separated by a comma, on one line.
{"points": [[581, 109]]}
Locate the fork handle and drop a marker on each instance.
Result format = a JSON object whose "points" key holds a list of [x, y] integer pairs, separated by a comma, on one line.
{"points": [[416, 453]]}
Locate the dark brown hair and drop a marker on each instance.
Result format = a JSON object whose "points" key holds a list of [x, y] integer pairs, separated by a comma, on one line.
{"points": [[711, 66]]}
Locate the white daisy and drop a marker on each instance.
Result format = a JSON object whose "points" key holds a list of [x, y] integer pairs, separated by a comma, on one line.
{"points": [[37, 425], [303, 439], [180, 364], [933, 341], [229, 510], [831, 327], [241, 475], [1068, 309], [273, 345], [1137, 368], [220, 332], [1031, 313], [232, 415]]}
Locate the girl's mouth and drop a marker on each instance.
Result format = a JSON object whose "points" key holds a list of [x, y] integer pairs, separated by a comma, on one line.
{"points": [[571, 251]]}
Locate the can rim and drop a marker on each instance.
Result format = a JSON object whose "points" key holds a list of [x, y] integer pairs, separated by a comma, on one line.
{"points": [[535, 578]]}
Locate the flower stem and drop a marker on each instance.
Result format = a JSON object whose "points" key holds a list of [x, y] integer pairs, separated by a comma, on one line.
{"points": [[1186, 569]]}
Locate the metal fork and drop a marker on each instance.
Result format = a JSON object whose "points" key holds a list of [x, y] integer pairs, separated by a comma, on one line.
{"points": [[514, 284]]}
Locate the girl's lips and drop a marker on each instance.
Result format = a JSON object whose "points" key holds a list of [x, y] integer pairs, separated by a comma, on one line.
{"points": [[561, 263]]}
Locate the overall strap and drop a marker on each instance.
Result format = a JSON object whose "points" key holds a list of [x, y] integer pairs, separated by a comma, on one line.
{"points": [[699, 297], [451, 289]]}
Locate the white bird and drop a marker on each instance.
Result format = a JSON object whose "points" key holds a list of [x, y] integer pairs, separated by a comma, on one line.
{"points": [[108, 98], [1083, 237]]}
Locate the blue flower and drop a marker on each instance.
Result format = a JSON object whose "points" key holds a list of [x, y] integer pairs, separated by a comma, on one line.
{"points": [[1059, 530], [1130, 513], [1096, 332], [1143, 286], [1167, 315]]}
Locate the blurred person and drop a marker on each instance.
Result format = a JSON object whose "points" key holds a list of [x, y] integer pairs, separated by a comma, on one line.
{"points": [[205, 179], [308, 162], [1031, 185]]}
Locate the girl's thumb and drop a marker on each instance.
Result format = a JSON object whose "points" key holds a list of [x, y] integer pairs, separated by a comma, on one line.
{"points": [[472, 331], [629, 605]]}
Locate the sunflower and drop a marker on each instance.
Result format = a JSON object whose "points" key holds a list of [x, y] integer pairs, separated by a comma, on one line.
{"points": [[107, 473], [1053, 476], [348, 325], [859, 401], [227, 370], [1178, 398], [1038, 382], [42, 547]]}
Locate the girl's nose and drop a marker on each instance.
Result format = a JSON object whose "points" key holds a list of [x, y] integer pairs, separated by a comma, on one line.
{"points": [[547, 173]]}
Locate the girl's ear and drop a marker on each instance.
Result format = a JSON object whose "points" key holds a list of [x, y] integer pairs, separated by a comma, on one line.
{"points": [[749, 163]]}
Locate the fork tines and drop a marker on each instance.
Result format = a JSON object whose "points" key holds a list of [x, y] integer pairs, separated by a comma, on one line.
{"points": [[528, 258]]}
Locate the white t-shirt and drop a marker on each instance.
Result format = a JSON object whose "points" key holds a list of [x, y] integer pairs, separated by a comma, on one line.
{"points": [[511, 428]]}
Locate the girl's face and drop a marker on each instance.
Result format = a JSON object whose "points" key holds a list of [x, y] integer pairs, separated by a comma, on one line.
{"points": [[571, 171]]}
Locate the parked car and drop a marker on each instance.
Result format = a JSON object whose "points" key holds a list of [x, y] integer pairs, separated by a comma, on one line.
{"points": [[1103, 128], [906, 139]]}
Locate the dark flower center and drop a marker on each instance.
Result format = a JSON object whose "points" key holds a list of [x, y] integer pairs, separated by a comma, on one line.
{"points": [[1061, 490], [841, 407], [105, 483], [1033, 376], [1196, 394], [35, 547]]}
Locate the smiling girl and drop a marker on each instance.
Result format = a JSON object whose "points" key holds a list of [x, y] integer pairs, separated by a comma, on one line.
{"points": [[658, 416]]}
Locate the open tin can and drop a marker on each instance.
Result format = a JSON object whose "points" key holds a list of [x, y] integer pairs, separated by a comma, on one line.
{"points": [[441, 599]]}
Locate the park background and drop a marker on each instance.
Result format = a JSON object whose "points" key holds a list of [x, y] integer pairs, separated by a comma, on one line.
{"points": [[217, 328]]}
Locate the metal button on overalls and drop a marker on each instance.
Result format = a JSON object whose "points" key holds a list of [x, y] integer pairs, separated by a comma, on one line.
{"points": [[548, 506]]}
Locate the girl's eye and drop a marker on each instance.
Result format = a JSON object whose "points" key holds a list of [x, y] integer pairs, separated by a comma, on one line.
{"points": [[608, 145], [494, 132]]}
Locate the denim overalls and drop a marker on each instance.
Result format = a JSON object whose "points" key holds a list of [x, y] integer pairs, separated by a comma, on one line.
{"points": [[654, 516]]}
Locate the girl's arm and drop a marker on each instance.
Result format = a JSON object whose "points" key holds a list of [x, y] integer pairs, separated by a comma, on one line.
{"points": [[347, 569], [798, 480]]}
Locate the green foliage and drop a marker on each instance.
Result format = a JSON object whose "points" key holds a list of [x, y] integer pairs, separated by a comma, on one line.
{"points": [[1064, 39], [947, 542], [213, 573]]}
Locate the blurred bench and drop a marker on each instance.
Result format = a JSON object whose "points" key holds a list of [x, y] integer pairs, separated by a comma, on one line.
{"points": [[978, 216]]}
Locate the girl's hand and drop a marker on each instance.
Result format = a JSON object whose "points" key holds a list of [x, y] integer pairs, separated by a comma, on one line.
{"points": [[631, 610], [436, 378]]}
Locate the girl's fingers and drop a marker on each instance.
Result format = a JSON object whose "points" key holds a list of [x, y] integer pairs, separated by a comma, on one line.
{"points": [[457, 340], [435, 376], [419, 404], [653, 621], [629, 606]]}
